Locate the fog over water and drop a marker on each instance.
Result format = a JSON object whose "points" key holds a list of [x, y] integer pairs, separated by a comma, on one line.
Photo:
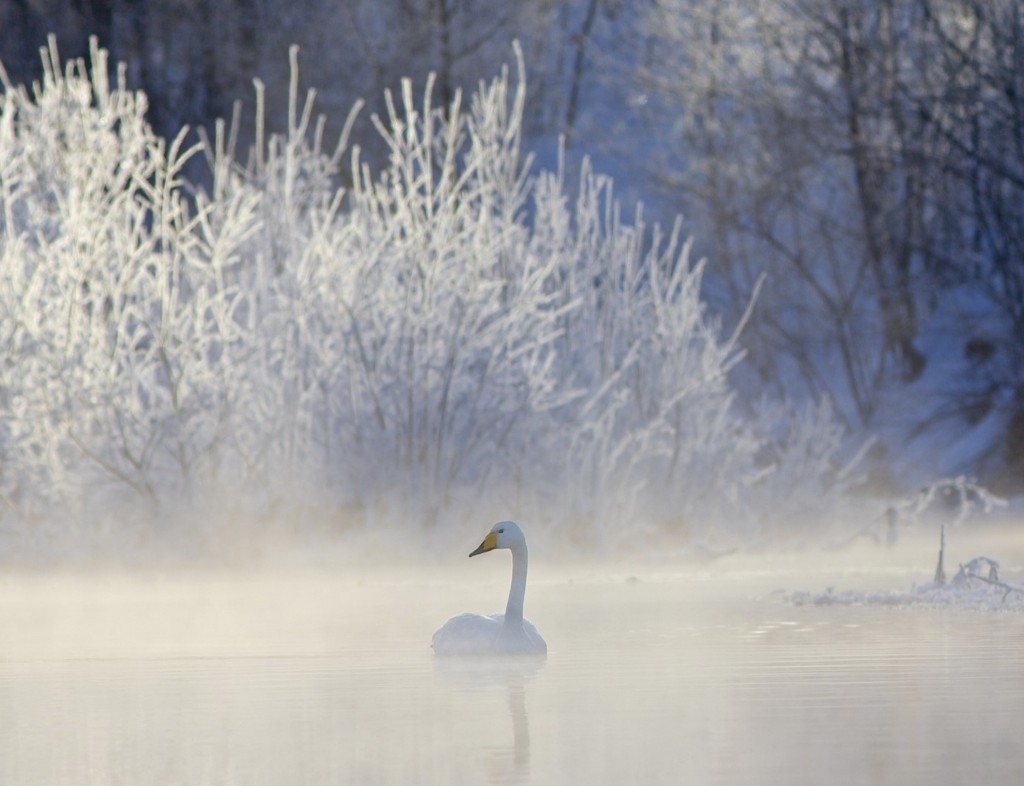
{"points": [[659, 671]]}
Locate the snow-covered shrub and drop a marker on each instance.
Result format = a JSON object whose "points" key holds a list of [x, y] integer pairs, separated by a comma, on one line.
{"points": [[456, 332], [118, 326], [446, 319], [654, 431]]}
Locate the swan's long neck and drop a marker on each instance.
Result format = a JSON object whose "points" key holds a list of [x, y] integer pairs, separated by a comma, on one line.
{"points": [[517, 592]]}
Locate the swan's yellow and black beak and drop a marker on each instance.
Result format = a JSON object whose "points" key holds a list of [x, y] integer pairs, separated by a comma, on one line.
{"points": [[490, 543]]}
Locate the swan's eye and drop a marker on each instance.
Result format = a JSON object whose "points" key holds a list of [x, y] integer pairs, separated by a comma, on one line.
{"points": [[501, 532]]}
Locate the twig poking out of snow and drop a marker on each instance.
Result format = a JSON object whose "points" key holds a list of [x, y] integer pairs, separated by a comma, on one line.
{"points": [[940, 569]]}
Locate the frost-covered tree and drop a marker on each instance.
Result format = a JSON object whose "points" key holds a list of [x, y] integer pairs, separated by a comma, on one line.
{"points": [[454, 330], [861, 155], [777, 148]]}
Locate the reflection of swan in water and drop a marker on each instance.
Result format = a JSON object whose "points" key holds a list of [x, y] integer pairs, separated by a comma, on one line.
{"points": [[505, 761], [498, 634], [520, 725], [510, 764]]}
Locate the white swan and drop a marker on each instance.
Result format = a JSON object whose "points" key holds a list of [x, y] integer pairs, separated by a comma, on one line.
{"points": [[498, 634]]}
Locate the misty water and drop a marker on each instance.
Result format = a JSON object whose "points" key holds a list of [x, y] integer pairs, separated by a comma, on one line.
{"points": [[656, 673]]}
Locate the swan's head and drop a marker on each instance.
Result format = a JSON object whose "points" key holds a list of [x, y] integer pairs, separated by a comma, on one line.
{"points": [[503, 535]]}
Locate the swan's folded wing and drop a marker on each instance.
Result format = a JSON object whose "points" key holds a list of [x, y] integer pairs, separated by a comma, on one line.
{"points": [[468, 634]]}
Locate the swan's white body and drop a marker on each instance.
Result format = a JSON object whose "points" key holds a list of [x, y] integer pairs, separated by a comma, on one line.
{"points": [[498, 634]]}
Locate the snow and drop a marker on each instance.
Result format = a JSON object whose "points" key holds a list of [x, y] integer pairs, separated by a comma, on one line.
{"points": [[972, 596], [977, 585]]}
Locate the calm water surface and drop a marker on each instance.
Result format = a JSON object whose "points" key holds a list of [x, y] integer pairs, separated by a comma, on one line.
{"points": [[653, 676]]}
